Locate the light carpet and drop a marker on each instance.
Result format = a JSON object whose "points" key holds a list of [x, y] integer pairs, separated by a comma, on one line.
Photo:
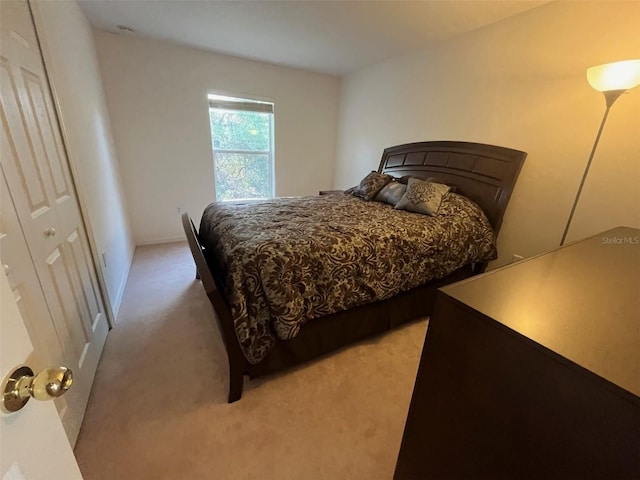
{"points": [[158, 407]]}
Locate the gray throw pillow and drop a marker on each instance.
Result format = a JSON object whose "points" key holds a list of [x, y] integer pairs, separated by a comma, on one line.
{"points": [[371, 185], [391, 193], [422, 197]]}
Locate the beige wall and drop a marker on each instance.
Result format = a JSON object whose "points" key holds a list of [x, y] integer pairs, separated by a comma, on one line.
{"points": [[157, 97], [70, 57], [519, 83]]}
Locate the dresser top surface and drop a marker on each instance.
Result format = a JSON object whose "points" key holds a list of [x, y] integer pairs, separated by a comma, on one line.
{"points": [[581, 301]]}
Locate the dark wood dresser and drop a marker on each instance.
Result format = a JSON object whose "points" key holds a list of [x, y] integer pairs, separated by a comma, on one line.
{"points": [[532, 371]]}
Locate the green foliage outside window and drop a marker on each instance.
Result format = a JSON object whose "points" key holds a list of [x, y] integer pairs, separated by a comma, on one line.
{"points": [[242, 176], [233, 130], [240, 173]]}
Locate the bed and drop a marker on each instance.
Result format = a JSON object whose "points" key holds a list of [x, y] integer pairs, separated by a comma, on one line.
{"points": [[245, 252]]}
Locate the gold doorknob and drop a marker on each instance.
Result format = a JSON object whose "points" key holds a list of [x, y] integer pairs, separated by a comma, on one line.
{"points": [[21, 385], [50, 232]]}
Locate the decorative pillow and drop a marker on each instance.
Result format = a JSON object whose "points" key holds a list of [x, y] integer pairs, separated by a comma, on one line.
{"points": [[405, 180], [422, 197], [439, 180], [391, 193], [371, 185]]}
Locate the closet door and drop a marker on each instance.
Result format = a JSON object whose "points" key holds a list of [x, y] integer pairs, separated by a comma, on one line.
{"points": [[41, 190], [33, 443]]}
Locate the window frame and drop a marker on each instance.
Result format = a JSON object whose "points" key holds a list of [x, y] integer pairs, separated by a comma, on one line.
{"points": [[244, 104]]}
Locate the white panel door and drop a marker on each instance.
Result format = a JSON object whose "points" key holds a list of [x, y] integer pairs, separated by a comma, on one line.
{"points": [[33, 444], [40, 188]]}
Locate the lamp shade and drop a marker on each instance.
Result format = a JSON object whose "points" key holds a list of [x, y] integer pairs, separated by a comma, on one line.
{"points": [[615, 76]]}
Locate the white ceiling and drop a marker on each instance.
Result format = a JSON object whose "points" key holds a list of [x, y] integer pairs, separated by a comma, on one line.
{"points": [[334, 37]]}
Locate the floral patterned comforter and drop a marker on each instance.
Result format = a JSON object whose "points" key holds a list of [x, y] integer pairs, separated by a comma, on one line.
{"points": [[288, 260]]}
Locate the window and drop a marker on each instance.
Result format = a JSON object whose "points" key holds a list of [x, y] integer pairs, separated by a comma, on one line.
{"points": [[242, 139]]}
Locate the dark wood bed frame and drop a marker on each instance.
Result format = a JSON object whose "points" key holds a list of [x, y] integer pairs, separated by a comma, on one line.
{"points": [[484, 173]]}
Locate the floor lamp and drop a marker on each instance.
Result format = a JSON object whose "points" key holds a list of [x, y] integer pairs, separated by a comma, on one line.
{"points": [[612, 79]]}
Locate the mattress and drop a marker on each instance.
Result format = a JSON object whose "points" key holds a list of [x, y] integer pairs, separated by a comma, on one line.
{"points": [[283, 262]]}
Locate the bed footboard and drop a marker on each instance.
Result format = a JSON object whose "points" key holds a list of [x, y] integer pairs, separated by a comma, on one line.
{"points": [[238, 365]]}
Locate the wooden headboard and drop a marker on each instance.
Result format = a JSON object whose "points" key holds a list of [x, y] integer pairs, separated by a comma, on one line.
{"points": [[484, 173]]}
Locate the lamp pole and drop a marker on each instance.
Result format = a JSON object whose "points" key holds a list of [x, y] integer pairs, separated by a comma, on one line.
{"points": [[610, 97]]}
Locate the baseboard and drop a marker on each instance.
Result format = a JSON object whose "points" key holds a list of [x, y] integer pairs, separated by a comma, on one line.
{"points": [[117, 301], [156, 241]]}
